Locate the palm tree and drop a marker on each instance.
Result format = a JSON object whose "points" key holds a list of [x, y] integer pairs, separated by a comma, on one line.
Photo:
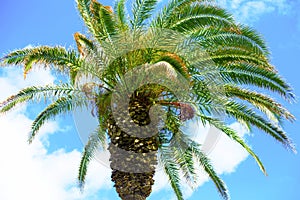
{"points": [[219, 63]]}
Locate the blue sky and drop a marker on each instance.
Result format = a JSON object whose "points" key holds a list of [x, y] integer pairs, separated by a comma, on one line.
{"points": [[47, 169]]}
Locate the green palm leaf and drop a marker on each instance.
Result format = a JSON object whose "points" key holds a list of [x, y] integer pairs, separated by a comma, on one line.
{"points": [[96, 140], [172, 170], [86, 14], [242, 77], [205, 163], [103, 21], [174, 5], [62, 59], [141, 11], [184, 157], [233, 135], [120, 11], [36, 93], [264, 103], [197, 16], [84, 45], [253, 70], [245, 114], [61, 106]]}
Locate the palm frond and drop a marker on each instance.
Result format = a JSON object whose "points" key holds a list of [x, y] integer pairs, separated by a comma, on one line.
{"points": [[208, 96], [172, 170], [96, 140], [84, 45], [103, 21], [164, 16], [197, 16], [190, 150], [97, 18], [248, 78], [86, 14], [256, 71], [251, 79], [240, 54], [142, 10], [175, 61], [120, 11], [254, 36], [60, 106], [183, 156], [91, 68], [94, 59], [264, 103], [238, 34], [233, 135], [208, 168], [58, 58], [233, 40], [240, 111], [35, 93]]}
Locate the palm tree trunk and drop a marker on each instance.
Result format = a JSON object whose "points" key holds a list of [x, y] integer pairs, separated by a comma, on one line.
{"points": [[133, 159]]}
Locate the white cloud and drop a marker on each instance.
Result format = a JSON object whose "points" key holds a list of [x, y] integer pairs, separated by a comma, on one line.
{"points": [[249, 11], [28, 171], [227, 154]]}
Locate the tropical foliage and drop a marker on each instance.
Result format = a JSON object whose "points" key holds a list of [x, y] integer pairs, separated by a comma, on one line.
{"points": [[224, 80]]}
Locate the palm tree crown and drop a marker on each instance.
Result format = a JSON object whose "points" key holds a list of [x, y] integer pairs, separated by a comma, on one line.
{"points": [[190, 60]]}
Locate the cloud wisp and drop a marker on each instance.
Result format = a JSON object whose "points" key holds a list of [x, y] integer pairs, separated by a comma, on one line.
{"points": [[249, 11]]}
